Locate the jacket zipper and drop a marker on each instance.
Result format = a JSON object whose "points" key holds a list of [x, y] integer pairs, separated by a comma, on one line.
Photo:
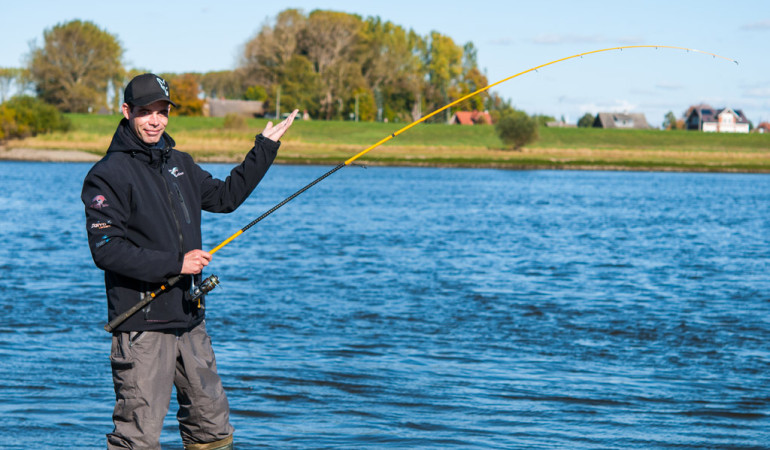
{"points": [[182, 202], [173, 212]]}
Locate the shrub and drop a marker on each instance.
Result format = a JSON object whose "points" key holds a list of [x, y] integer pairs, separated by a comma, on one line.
{"points": [[587, 121], [7, 123], [234, 122], [516, 129], [26, 116]]}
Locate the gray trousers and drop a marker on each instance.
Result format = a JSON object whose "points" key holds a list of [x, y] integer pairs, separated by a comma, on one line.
{"points": [[145, 365]]}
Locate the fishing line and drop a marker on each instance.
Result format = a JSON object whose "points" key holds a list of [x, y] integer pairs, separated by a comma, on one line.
{"points": [[212, 281]]}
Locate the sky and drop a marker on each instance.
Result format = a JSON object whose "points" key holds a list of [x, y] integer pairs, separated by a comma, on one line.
{"points": [[510, 37]]}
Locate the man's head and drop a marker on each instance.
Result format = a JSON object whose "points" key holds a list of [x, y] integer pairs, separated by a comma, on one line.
{"points": [[146, 105]]}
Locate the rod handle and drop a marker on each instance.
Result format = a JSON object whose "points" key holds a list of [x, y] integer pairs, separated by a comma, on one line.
{"points": [[114, 323]]}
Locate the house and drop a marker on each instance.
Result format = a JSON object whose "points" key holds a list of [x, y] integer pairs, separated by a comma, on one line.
{"points": [[560, 124], [763, 127], [621, 120], [708, 119], [471, 118], [215, 107]]}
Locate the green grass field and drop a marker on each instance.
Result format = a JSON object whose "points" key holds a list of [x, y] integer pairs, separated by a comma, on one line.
{"points": [[444, 145]]}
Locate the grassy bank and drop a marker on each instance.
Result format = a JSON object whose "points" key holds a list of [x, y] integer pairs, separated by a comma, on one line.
{"points": [[444, 145]]}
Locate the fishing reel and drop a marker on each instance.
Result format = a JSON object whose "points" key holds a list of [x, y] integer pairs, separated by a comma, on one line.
{"points": [[204, 287]]}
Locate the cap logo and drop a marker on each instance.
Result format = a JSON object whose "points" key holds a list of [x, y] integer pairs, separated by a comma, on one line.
{"points": [[162, 84]]}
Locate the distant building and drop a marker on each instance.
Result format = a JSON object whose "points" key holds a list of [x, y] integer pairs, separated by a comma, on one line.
{"points": [[763, 127], [621, 120], [725, 120], [559, 124], [215, 107], [471, 118]]}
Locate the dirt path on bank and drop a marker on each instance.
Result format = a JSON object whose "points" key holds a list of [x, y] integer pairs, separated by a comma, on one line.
{"points": [[34, 154]]}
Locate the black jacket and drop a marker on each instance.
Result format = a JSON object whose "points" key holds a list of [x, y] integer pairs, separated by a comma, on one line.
{"points": [[143, 213]]}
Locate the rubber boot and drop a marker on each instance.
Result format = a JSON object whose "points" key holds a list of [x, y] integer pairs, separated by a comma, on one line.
{"points": [[223, 444]]}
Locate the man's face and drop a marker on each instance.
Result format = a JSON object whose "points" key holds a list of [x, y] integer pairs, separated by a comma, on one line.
{"points": [[148, 122]]}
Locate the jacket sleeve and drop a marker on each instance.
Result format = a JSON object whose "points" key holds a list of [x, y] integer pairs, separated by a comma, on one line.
{"points": [[108, 206], [225, 196]]}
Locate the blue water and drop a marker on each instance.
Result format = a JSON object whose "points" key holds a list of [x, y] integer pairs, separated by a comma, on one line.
{"points": [[425, 308]]}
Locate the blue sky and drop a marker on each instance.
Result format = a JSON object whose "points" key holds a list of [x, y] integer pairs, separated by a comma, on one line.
{"points": [[511, 36]]}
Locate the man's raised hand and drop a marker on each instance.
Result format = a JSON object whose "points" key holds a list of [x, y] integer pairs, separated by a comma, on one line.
{"points": [[274, 133]]}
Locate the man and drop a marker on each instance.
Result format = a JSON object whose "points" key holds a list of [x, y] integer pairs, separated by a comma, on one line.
{"points": [[143, 205]]}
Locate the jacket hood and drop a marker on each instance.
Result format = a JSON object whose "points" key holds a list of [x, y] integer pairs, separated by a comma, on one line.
{"points": [[126, 141]]}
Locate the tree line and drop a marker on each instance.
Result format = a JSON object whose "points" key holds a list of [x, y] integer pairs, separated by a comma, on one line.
{"points": [[331, 64]]}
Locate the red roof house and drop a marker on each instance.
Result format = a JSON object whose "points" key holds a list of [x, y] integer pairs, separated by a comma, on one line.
{"points": [[471, 118]]}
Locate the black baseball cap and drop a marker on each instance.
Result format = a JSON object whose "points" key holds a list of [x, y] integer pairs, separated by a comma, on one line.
{"points": [[145, 89]]}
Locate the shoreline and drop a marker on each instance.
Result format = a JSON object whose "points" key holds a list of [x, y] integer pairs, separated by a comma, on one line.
{"points": [[51, 155], [40, 155]]}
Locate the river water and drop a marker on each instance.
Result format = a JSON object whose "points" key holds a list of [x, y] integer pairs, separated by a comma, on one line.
{"points": [[425, 308]]}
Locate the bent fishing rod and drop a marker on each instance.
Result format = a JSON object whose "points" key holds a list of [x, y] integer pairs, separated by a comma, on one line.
{"points": [[212, 281]]}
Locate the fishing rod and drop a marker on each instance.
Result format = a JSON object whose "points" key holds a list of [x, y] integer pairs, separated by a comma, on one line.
{"points": [[212, 281]]}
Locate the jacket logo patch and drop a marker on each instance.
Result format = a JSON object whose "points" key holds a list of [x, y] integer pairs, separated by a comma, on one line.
{"points": [[175, 172], [99, 202], [100, 225]]}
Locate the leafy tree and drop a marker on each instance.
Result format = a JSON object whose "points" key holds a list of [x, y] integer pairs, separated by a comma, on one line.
{"points": [[367, 108], [8, 77], [320, 61], [185, 92], [444, 63], [272, 48], [472, 79], [75, 66], [670, 122], [516, 129], [330, 42], [300, 86], [391, 64], [256, 93], [223, 84], [587, 121]]}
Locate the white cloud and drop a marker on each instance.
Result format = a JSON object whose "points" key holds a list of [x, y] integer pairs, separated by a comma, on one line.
{"points": [[503, 41], [758, 92], [761, 25], [631, 40], [669, 86]]}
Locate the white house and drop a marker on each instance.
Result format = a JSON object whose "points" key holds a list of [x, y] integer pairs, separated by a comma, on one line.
{"points": [[708, 119], [621, 120]]}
